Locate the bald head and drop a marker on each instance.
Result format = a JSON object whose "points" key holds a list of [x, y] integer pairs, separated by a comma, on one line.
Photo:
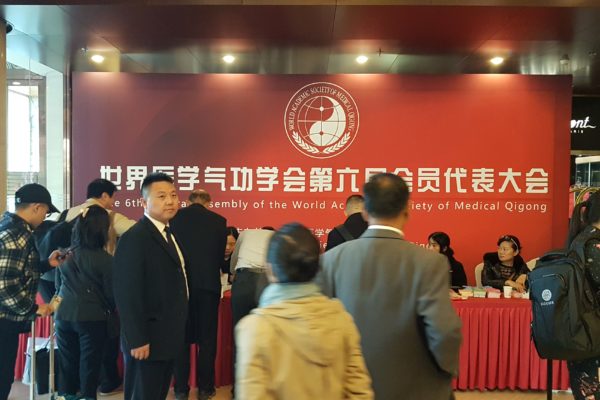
{"points": [[200, 196], [354, 204]]}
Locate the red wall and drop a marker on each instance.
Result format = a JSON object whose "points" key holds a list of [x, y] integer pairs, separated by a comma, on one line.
{"points": [[463, 123]]}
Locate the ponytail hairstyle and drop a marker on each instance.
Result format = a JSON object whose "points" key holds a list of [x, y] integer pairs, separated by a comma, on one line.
{"points": [[442, 239], [584, 214], [294, 254]]}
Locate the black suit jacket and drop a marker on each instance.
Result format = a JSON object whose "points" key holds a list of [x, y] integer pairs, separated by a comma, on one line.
{"points": [[150, 292], [202, 236], [355, 224]]}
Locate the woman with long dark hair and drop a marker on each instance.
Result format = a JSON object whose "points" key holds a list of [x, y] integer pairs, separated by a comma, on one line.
{"points": [[440, 243], [84, 283], [585, 228]]}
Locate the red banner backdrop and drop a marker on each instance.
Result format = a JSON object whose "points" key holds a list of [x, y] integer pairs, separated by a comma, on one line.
{"points": [[485, 155]]}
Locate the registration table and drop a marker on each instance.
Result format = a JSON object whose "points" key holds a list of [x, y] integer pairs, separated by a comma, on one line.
{"points": [[223, 364], [497, 350]]}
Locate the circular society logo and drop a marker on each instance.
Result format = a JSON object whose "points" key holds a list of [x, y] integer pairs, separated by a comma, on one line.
{"points": [[321, 120], [546, 295]]}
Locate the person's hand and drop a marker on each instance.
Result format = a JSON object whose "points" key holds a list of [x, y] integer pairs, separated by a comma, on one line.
{"points": [[141, 353], [521, 279], [516, 285], [56, 258], [44, 310]]}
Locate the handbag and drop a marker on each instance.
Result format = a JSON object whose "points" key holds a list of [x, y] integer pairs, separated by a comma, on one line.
{"points": [[113, 325]]}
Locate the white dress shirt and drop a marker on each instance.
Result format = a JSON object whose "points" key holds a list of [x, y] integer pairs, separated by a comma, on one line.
{"points": [[161, 228], [387, 228]]}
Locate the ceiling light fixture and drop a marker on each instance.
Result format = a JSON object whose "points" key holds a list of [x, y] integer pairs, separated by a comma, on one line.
{"points": [[228, 58], [362, 59], [97, 58], [497, 60], [16, 83]]}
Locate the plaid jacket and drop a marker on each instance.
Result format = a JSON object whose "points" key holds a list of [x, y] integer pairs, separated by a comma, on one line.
{"points": [[20, 269]]}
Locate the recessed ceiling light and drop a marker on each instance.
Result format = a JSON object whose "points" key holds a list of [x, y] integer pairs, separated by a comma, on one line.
{"points": [[16, 83], [362, 59], [228, 58], [97, 58], [497, 60]]}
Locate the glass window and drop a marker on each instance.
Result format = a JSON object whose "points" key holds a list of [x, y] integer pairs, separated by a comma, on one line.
{"points": [[35, 137]]}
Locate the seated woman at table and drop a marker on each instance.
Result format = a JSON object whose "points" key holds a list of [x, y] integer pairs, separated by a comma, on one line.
{"points": [[505, 267], [298, 344], [84, 282], [440, 243], [232, 237]]}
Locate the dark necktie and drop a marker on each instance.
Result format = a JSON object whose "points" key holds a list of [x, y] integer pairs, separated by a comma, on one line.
{"points": [[171, 243]]}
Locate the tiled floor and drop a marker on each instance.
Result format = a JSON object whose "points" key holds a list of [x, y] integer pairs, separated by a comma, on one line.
{"points": [[21, 392]]}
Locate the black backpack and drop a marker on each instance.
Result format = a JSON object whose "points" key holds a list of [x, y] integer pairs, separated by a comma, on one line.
{"points": [[58, 236], [566, 313]]}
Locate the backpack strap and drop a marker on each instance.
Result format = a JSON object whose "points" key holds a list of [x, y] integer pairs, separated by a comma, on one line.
{"points": [[342, 230], [63, 216]]}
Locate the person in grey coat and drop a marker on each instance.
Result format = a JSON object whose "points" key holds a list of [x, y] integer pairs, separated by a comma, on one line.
{"points": [[397, 293]]}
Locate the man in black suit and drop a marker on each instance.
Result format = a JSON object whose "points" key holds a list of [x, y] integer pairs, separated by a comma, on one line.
{"points": [[203, 236], [353, 227], [151, 293]]}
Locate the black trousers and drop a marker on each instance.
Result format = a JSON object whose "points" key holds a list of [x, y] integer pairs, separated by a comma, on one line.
{"points": [[9, 343], [203, 325], [109, 371], [245, 294], [81, 344], [146, 379]]}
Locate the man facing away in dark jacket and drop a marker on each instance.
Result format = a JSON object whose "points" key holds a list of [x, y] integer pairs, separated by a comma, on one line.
{"points": [[353, 227], [203, 236]]}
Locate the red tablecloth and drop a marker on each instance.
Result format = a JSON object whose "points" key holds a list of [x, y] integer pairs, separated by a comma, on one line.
{"points": [[497, 350], [223, 364]]}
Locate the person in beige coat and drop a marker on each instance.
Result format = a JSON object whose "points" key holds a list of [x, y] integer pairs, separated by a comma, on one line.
{"points": [[298, 344]]}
